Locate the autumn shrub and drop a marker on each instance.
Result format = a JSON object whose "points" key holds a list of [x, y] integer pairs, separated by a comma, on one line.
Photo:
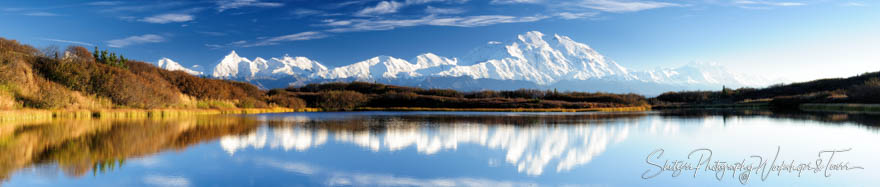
{"points": [[251, 103], [287, 101], [869, 92], [341, 100], [121, 86], [282, 98], [214, 104], [7, 98]]}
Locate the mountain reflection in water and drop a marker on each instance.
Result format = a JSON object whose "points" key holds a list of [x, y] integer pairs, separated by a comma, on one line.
{"points": [[532, 143]]}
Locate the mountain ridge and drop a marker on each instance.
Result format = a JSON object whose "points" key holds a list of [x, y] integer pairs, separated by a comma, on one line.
{"points": [[544, 60]]}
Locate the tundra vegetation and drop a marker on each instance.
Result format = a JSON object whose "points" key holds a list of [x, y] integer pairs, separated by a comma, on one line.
{"points": [[861, 89]]}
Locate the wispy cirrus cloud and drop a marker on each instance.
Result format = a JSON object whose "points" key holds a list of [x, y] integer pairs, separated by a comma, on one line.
{"points": [[67, 41], [339, 178], [41, 14], [515, 1], [234, 4], [435, 10], [134, 40], [168, 18], [854, 4], [617, 6], [391, 6], [355, 25], [212, 33], [459, 21], [384, 7], [105, 3], [765, 4], [309, 35], [570, 15], [146, 7], [268, 41], [166, 181]]}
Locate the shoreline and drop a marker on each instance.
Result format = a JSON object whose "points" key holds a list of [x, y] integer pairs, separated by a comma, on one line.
{"points": [[716, 106], [37, 114], [841, 107], [609, 109]]}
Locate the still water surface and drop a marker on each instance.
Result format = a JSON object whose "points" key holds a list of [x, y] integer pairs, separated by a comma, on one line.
{"points": [[445, 149]]}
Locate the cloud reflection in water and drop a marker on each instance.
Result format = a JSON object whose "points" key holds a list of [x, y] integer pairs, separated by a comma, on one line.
{"points": [[531, 148]]}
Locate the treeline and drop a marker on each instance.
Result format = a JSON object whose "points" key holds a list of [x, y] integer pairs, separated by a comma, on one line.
{"points": [[348, 96], [864, 88], [32, 78]]}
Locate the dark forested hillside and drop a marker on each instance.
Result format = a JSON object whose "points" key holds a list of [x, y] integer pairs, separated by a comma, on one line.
{"points": [[346, 96], [864, 88]]}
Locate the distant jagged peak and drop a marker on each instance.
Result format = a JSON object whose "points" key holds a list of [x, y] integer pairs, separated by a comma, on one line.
{"points": [[171, 65]]}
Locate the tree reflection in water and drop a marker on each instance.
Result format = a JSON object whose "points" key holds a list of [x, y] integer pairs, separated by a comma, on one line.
{"points": [[532, 142]]}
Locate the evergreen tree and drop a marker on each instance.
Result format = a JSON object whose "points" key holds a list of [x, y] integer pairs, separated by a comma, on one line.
{"points": [[103, 56], [95, 54]]}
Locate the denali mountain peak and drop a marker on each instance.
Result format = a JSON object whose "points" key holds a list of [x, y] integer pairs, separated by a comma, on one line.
{"points": [[532, 60]]}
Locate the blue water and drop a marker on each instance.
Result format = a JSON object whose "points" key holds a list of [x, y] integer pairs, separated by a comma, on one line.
{"points": [[471, 149]]}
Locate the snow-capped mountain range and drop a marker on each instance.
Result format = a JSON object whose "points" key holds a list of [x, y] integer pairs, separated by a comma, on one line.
{"points": [[532, 60]]}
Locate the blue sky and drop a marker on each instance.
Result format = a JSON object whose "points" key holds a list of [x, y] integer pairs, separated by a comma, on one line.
{"points": [[791, 39]]}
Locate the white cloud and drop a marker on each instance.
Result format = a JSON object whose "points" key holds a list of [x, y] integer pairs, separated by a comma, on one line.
{"points": [[234, 4], [569, 15], [854, 4], [68, 41], [267, 41], [41, 14], [618, 6], [435, 10], [767, 3], [515, 1], [366, 179], [168, 18], [387, 7], [212, 33], [466, 21], [310, 35], [147, 162], [145, 7], [166, 181], [295, 167], [134, 40], [384, 7], [104, 3]]}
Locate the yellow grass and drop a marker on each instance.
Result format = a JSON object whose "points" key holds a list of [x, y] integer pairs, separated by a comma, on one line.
{"points": [[610, 109], [34, 114]]}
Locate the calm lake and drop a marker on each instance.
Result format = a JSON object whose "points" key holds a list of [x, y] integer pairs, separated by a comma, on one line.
{"points": [[658, 148]]}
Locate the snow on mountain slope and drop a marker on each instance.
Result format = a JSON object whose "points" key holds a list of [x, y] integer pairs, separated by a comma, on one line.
{"points": [[542, 61], [701, 73], [233, 66], [294, 66], [372, 69], [386, 67], [168, 64]]}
